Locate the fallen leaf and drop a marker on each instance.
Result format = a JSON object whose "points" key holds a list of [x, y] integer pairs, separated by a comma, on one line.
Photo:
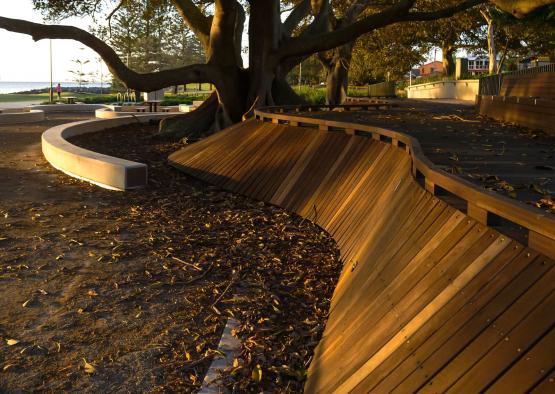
{"points": [[89, 368], [257, 373], [12, 342]]}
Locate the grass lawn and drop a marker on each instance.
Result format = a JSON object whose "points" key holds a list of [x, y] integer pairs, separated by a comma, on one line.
{"points": [[10, 98]]}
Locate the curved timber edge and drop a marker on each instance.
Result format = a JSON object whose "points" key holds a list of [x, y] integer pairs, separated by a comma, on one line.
{"points": [[482, 204], [9, 117], [429, 299], [102, 170]]}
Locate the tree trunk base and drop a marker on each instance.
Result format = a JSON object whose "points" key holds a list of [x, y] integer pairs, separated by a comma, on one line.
{"points": [[195, 124]]}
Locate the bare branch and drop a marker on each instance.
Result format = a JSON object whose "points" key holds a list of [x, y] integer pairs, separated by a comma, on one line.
{"points": [[199, 23], [111, 14], [325, 41], [134, 80], [396, 13]]}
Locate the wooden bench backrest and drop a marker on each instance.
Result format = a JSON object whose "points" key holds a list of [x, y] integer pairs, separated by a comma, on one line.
{"points": [[541, 85]]}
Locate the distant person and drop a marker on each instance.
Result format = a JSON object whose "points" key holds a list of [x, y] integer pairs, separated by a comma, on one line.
{"points": [[59, 91]]}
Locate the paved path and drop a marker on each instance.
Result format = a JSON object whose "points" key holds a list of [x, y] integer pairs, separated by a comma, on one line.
{"points": [[18, 104]]}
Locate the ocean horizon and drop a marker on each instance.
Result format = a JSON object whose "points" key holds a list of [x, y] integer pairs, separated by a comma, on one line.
{"points": [[15, 87]]}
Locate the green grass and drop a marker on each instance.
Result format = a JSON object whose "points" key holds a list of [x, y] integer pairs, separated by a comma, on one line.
{"points": [[311, 95], [7, 98], [176, 99]]}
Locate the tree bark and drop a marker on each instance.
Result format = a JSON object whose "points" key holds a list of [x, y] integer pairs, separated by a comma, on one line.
{"points": [[337, 74], [448, 51], [492, 53]]}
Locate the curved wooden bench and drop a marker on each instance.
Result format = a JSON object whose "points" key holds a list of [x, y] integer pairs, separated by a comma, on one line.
{"points": [[526, 99], [429, 298]]}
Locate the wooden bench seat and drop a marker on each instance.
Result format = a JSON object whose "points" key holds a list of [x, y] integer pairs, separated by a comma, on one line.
{"points": [[525, 99], [428, 297]]}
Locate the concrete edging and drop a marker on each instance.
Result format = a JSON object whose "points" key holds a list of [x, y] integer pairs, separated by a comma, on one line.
{"points": [[21, 117], [108, 113], [99, 169], [47, 108]]}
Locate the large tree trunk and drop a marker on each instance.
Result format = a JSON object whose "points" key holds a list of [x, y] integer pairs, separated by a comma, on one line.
{"points": [[449, 66], [337, 75]]}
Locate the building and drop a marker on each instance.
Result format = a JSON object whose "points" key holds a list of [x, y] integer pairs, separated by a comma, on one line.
{"points": [[478, 65], [431, 69]]}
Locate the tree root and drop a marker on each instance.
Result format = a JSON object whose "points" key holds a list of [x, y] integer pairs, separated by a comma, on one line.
{"points": [[195, 124]]}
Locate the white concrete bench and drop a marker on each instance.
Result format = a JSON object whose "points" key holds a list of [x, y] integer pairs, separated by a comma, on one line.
{"points": [[102, 170]]}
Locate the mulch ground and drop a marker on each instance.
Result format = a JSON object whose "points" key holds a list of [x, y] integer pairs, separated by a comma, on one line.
{"points": [[129, 292]]}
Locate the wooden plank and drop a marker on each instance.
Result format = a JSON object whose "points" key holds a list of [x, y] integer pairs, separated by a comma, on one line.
{"points": [[531, 368], [547, 385], [384, 376], [542, 244], [401, 300], [466, 345], [510, 346], [478, 262]]}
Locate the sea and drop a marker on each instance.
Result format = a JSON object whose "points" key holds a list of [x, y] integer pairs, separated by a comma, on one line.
{"points": [[16, 87]]}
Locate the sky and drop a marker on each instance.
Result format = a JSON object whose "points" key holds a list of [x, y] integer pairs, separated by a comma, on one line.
{"points": [[24, 60]]}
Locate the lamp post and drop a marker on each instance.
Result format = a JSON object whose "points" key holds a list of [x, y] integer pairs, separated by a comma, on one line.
{"points": [[51, 82]]}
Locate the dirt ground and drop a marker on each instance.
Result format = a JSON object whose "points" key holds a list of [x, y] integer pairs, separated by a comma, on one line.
{"points": [[511, 160], [129, 292]]}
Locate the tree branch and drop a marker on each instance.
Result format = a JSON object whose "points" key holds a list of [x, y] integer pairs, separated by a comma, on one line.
{"points": [[520, 8], [396, 13], [199, 23], [300, 12], [111, 14], [325, 41], [443, 13], [134, 80]]}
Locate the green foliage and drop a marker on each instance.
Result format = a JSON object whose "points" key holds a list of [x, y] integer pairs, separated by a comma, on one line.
{"points": [[312, 95], [171, 99]]}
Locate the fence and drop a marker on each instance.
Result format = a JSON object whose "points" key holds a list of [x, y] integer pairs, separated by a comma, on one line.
{"points": [[491, 84]]}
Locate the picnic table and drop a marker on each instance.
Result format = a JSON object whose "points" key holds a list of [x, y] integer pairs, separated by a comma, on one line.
{"points": [[153, 105], [70, 99]]}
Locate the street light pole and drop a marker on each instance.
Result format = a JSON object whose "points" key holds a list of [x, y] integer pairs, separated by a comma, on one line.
{"points": [[51, 83]]}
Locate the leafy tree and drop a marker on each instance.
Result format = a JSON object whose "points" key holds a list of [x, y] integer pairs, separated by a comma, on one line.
{"points": [[274, 47], [391, 51]]}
